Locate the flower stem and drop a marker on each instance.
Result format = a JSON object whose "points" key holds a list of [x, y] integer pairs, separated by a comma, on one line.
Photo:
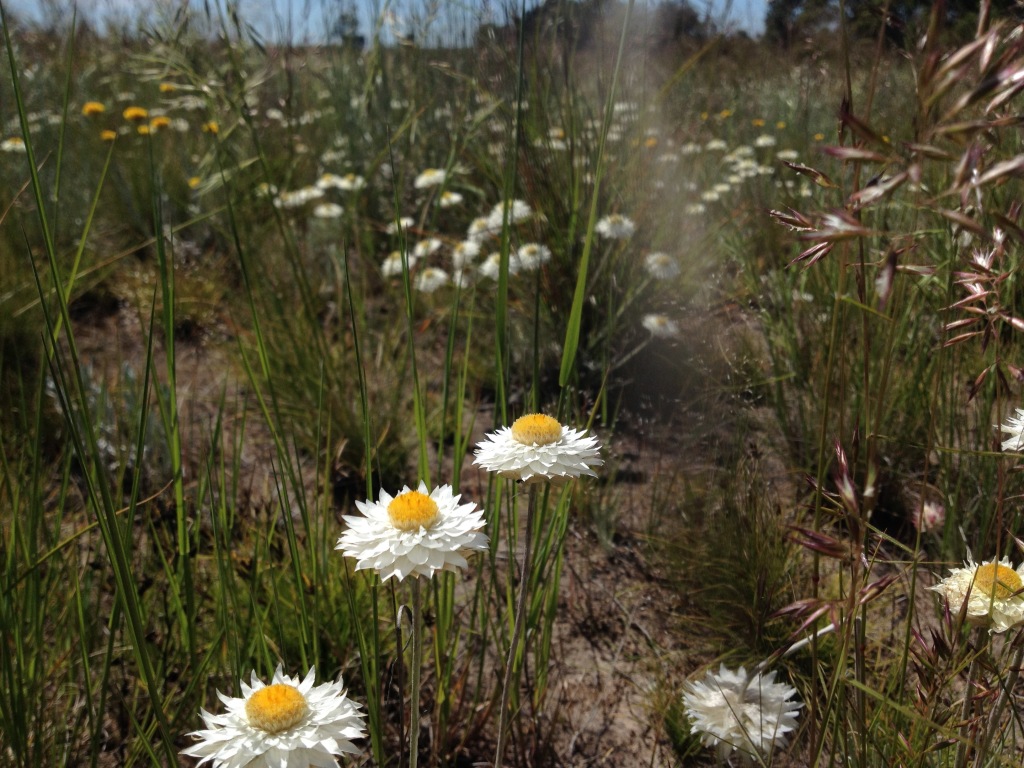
{"points": [[517, 632], [414, 667], [997, 712], [964, 747]]}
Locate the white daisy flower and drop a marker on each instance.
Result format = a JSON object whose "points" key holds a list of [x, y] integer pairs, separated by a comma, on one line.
{"points": [[481, 228], [518, 211], [392, 264], [415, 533], [298, 197], [465, 253], [993, 591], [491, 266], [431, 177], [787, 155], [13, 144], [1014, 427], [403, 222], [616, 227], [330, 181], [328, 211], [426, 247], [744, 169], [286, 724], [734, 710], [449, 199], [536, 449], [716, 145], [532, 255], [352, 182], [660, 326], [661, 266], [764, 140], [430, 279]]}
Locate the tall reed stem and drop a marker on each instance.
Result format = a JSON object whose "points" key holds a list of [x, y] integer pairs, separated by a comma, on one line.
{"points": [[997, 712], [517, 632], [964, 747], [414, 668]]}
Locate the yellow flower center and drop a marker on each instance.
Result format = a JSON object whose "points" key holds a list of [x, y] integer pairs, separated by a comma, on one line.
{"points": [[536, 429], [276, 707], [998, 581], [412, 510]]}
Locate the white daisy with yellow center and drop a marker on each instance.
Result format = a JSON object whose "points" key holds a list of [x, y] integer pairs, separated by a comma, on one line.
{"points": [[993, 593], [285, 723], [660, 326], [532, 255], [661, 266], [414, 533], [431, 177], [481, 228], [615, 227], [328, 211], [516, 210], [449, 199], [392, 265], [430, 279], [537, 448], [399, 225], [426, 247], [733, 710], [464, 254]]}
